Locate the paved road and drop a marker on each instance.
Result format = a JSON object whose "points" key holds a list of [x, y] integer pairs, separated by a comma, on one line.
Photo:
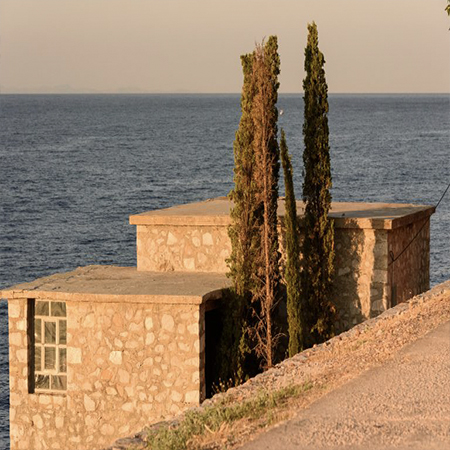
{"points": [[402, 405]]}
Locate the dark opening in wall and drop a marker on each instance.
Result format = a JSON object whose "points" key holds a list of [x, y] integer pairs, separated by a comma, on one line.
{"points": [[213, 330]]}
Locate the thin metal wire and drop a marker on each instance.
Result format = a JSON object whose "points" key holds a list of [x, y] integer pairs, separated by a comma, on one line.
{"points": [[443, 195], [391, 253]]}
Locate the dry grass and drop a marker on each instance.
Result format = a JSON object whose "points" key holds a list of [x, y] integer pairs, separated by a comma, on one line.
{"points": [[207, 428]]}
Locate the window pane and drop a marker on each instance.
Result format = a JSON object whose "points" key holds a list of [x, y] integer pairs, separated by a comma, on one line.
{"points": [[62, 360], [37, 331], [50, 332], [58, 309], [41, 309], [50, 356], [41, 382], [62, 332], [37, 359], [59, 382], [50, 352]]}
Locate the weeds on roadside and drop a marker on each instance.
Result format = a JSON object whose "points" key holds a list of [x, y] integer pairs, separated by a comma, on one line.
{"points": [[212, 418], [223, 386]]}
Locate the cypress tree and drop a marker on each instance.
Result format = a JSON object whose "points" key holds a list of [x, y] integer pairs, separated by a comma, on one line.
{"points": [[292, 271], [254, 261], [243, 233], [318, 244], [266, 67], [243, 230]]}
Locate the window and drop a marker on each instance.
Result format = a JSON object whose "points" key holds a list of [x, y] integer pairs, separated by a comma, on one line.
{"points": [[50, 346]]}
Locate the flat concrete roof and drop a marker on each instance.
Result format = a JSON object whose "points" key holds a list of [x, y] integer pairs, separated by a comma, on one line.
{"points": [[113, 284], [216, 212]]}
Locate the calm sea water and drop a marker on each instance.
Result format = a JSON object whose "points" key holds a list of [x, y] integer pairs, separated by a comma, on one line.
{"points": [[73, 168]]}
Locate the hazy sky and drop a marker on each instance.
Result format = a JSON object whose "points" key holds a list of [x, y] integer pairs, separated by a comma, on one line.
{"points": [[194, 45]]}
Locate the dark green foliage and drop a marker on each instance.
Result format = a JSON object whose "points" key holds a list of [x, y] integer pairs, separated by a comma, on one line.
{"points": [[292, 270], [233, 345], [243, 230], [266, 291], [244, 238], [318, 244]]}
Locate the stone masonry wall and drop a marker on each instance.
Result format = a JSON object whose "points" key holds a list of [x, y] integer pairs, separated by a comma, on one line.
{"points": [[363, 278], [361, 262], [127, 365], [361, 275], [364, 281], [182, 248]]}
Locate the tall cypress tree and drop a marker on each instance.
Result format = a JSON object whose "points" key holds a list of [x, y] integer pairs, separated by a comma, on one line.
{"points": [[242, 231], [254, 260], [318, 244], [266, 293], [244, 237], [292, 271]]}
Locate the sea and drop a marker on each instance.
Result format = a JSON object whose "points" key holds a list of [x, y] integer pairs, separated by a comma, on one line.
{"points": [[74, 167]]}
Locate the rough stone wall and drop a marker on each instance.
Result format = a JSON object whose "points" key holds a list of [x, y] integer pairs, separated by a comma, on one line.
{"points": [[128, 365], [361, 279], [182, 248], [409, 275], [364, 282], [18, 374], [361, 275]]}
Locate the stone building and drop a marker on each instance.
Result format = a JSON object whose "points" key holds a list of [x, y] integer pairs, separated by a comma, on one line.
{"points": [[102, 351]]}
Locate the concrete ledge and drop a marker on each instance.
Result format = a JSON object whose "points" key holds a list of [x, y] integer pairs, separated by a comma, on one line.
{"points": [[216, 212], [111, 284]]}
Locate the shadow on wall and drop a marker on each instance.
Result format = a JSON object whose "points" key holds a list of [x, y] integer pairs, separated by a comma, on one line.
{"points": [[348, 281], [380, 291], [409, 261]]}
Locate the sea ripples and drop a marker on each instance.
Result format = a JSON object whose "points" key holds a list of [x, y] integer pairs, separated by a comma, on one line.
{"points": [[73, 168]]}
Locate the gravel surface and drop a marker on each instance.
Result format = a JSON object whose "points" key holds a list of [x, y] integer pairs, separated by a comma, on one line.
{"points": [[403, 404]]}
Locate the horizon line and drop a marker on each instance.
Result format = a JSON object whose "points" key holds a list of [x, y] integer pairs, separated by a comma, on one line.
{"points": [[215, 93]]}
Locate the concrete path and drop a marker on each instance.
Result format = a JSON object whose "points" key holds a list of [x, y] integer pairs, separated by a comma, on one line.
{"points": [[404, 404]]}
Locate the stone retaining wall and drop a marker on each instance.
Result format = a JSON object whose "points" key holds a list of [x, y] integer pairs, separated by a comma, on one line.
{"points": [[363, 278]]}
